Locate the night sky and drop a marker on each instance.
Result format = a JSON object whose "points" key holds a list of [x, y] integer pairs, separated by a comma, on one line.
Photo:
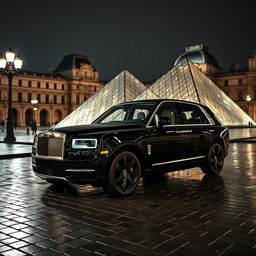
{"points": [[143, 36]]}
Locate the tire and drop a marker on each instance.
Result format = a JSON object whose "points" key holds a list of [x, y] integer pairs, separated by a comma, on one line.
{"points": [[124, 174], [215, 160]]}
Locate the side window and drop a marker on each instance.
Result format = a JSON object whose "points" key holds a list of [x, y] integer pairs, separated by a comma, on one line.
{"points": [[165, 114], [190, 114]]}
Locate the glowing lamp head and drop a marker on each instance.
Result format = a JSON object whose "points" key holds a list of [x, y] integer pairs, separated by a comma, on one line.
{"points": [[9, 55], [18, 62], [248, 98], [2, 62]]}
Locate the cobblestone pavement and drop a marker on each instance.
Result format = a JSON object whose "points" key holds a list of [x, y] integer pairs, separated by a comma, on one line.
{"points": [[180, 213]]}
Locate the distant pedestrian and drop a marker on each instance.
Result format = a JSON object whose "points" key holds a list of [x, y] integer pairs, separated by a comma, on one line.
{"points": [[2, 124], [33, 126]]}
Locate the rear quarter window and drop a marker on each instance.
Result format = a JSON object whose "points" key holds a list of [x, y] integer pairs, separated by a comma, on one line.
{"points": [[190, 114]]}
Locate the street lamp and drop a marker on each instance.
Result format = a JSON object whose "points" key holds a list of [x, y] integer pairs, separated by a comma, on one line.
{"points": [[9, 66], [248, 100], [34, 104]]}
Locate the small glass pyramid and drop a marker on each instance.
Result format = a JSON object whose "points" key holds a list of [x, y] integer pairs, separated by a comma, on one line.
{"points": [[124, 87]]}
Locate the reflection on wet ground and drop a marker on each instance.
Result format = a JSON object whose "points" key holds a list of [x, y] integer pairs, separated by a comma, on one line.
{"points": [[179, 213]]}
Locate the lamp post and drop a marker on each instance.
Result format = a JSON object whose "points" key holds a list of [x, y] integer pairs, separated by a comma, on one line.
{"points": [[34, 105], [248, 100], [9, 66]]}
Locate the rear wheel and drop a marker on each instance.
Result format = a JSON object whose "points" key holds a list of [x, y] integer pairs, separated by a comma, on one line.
{"points": [[124, 174], [215, 160]]}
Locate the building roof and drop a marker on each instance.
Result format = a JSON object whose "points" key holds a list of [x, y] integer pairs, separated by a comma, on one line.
{"points": [[198, 54], [73, 61]]}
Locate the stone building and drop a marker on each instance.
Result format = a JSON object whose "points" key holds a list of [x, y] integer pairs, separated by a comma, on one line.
{"points": [[239, 84], [58, 93]]}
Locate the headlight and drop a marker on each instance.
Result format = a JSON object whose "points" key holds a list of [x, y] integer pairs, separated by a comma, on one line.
{"points": [[84, 143]]}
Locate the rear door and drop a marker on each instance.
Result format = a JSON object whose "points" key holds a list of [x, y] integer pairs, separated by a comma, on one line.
{"points": [[193, 123]]}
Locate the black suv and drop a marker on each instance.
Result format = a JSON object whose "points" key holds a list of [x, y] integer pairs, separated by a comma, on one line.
{"points": [[129, 140]]}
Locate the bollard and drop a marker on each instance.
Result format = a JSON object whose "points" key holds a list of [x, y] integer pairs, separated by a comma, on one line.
{"points": [[27, 131]]}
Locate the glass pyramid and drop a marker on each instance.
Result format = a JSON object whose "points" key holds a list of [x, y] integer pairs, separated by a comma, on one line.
{"points": [[186, 82], [124, 87]]}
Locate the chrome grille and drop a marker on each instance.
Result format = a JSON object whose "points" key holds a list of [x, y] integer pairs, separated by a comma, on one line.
{"points": [[50, 145]]}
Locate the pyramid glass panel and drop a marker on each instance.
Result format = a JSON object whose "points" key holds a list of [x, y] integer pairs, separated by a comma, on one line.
{"points": [[124, 87]]}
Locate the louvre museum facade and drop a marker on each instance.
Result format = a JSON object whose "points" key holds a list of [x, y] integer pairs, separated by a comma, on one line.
{"points": [[58, 93], [196, 76]]}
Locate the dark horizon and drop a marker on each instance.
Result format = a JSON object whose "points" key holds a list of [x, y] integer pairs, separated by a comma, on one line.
{"points": [[144, 37]]}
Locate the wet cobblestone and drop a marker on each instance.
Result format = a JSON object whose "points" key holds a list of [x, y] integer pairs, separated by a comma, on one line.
{"points": [[180, 213]]}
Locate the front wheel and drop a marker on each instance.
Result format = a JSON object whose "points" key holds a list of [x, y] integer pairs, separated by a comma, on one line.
{"points": [[124, 174], [215, 160]]}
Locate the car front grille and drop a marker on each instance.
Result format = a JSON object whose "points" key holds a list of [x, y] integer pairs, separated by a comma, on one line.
{"points": [[50, 145]]}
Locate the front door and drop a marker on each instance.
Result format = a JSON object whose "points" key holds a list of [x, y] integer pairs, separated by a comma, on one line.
{"points": [[163, 136]]}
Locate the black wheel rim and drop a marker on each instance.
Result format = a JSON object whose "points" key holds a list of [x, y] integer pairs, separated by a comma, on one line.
{"points": [[126, 173], [216, 159]]}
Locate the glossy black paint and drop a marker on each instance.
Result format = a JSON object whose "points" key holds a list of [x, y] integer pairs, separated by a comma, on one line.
{"points": [[158, 147]]}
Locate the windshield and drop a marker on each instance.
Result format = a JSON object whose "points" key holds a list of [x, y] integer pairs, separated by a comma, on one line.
{"points": [[126, 113]]}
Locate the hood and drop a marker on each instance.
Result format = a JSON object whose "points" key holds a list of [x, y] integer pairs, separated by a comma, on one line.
{"points": [[92, 128]]}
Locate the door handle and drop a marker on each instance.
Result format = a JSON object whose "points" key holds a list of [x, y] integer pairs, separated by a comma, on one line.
{"points": [[184, 131], [170, 131]]}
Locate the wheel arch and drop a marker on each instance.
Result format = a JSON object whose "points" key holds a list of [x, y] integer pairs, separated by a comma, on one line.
{"points": [[133, 149], [221, 143]]}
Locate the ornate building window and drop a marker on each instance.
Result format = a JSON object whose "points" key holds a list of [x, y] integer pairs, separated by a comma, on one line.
{"points": [[38, 98], [47, 85], [63, 86], [77, 99], [240, 96], [20, 97], [29, 83], [47, 99], [55, 99], [38, 84], [55, 86], [63, 100], [29, 98], [20, 82]]}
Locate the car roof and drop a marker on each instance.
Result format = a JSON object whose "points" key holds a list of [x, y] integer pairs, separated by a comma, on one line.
{"points": [[158, 101]]}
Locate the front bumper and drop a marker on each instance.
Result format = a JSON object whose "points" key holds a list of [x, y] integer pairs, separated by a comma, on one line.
{"points": [[73, 171]]}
